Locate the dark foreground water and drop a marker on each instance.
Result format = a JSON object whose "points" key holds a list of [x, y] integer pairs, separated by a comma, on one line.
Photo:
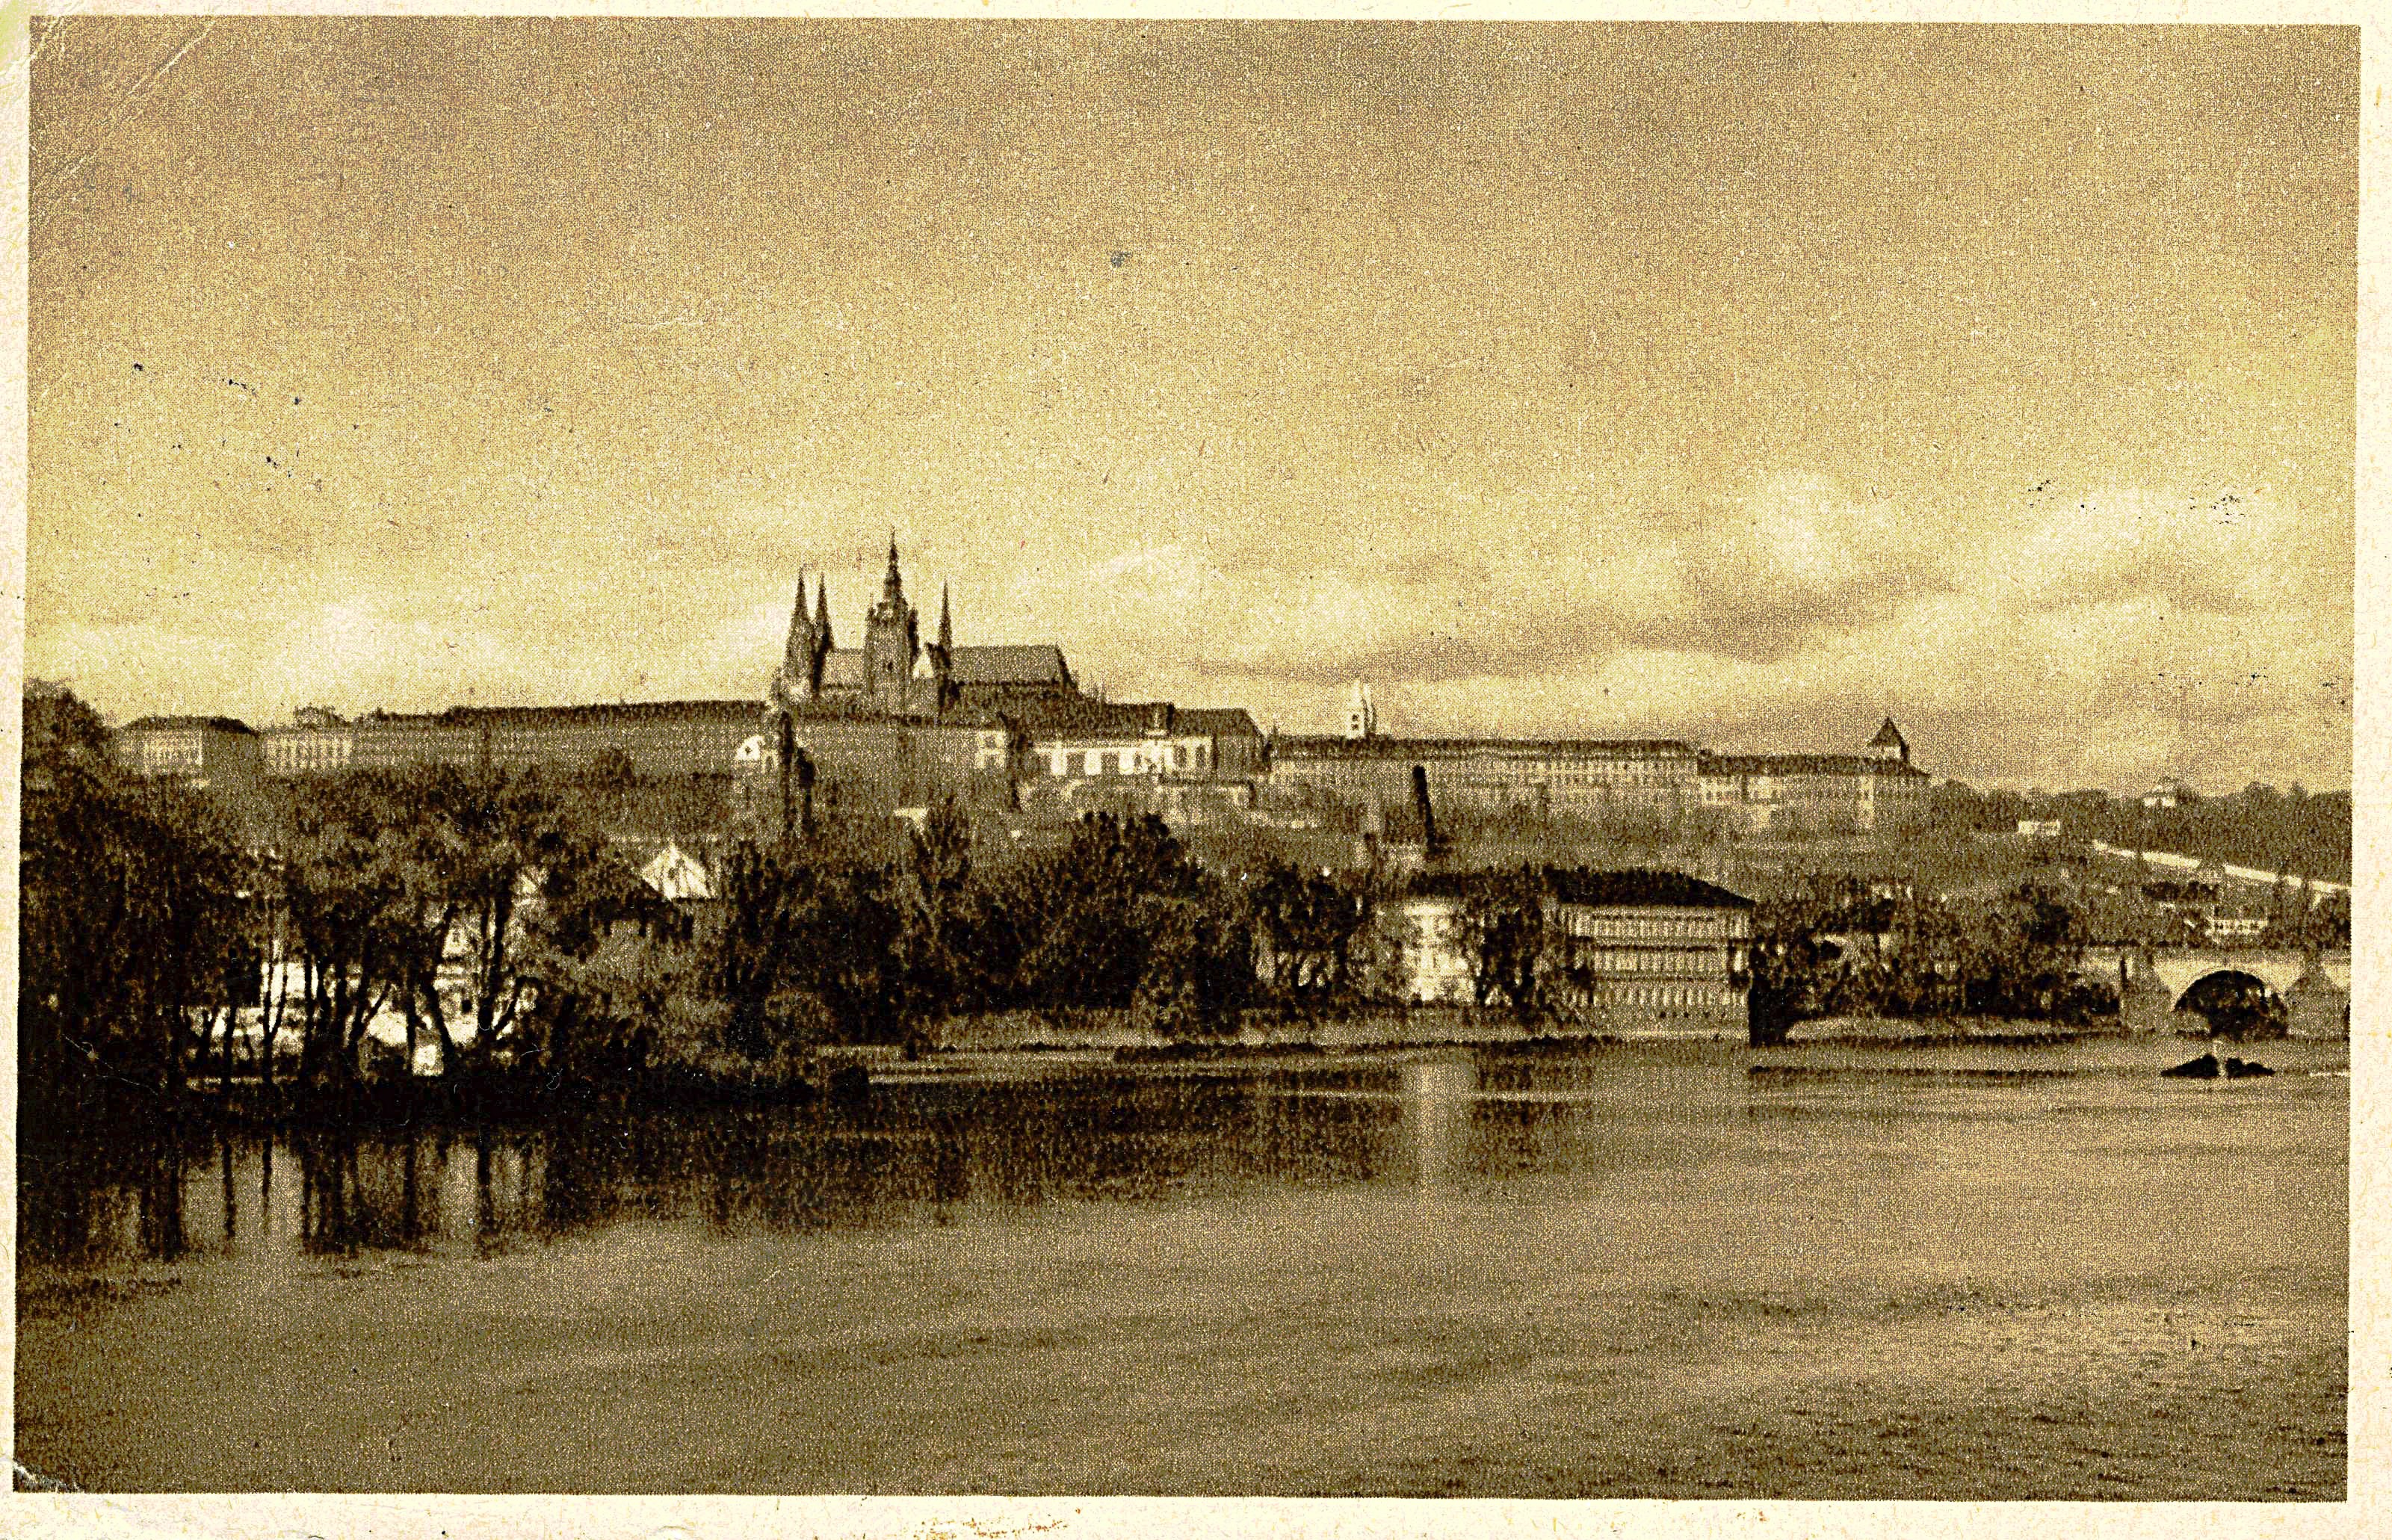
{"points": [[1642, 1272]]}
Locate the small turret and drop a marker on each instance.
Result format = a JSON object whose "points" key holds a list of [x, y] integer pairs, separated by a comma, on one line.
{"points": [[1361, 717], [1889, 743], [942, 655]]}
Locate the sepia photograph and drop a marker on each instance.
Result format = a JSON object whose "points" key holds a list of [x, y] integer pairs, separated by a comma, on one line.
{"points": [[1168, 758]]}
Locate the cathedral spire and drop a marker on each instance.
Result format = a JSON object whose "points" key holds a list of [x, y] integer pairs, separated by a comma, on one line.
{"points": [[822, 609], [946, 625], [801, 627], [893, 584]]}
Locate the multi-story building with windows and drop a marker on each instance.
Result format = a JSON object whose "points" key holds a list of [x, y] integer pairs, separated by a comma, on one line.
{"points": [[1877, 791], [316, 742], [854, 757], [206, 752], [1638, 782], [1631, 950], [1085, 739], [1607, 780], [1185, 764]]}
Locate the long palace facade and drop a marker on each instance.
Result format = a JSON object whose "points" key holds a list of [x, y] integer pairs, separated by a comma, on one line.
{"points": [[905, 721], [1636, 783]]}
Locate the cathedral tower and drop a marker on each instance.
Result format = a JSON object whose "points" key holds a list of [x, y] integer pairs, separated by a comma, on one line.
{"points": [[893, 639]]}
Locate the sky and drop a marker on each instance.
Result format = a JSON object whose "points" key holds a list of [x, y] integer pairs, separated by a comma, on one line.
{"points": [[1740, 383]]}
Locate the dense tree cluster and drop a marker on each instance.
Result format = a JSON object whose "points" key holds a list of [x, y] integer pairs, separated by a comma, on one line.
{"points": [[172, 948], [171, 945], [1836, 945], [165, 943]]}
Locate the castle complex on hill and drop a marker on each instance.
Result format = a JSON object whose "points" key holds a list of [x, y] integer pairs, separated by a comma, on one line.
{"points": [[901, 722]]}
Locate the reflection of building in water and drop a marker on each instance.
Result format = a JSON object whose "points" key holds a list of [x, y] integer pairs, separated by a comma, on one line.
{"points": [[1436, 1098]]}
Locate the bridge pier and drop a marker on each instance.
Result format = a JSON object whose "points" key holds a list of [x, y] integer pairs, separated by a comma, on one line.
{"points": [[2314, 987]]}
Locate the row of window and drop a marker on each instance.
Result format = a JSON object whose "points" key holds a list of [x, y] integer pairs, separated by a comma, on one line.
{"points": [[1713, 961], [1139, 760], [1579, 921], [1667, 997]]}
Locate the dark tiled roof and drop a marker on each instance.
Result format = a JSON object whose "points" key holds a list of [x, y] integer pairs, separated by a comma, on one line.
{"points": [[222, 724], [1806, 764], [1083, 714], [1040, 664], [601, 713], [1312, 748], [1636, 889], [605, 714], [1224, 722]]}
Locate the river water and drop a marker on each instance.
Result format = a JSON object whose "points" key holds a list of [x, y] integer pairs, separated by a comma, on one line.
{"points": [[1660, 1271]]}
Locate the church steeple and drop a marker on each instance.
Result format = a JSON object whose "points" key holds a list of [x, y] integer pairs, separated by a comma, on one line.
{"points": [[891, 641], [800, 674], [822, 610], [801, 628], [942, 657]]}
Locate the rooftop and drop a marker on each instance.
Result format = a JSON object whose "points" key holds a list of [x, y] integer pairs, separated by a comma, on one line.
{"points": [[626, 713], [1308, 747], [169, 724], [1086, 714], [1638, 888], [1035, 664], [1806, 764]]}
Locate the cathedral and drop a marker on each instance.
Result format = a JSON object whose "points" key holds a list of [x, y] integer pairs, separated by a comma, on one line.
{"points": [[895, 673]]}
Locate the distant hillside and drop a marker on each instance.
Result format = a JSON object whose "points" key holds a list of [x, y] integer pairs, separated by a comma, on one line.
{"points": [[2300, 832]]}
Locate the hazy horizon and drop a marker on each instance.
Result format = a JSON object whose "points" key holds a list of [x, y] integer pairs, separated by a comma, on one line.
{"points": [[1744, 384]]}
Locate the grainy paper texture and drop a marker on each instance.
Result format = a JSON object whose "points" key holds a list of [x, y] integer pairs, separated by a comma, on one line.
{"points": [[1408, 382]]}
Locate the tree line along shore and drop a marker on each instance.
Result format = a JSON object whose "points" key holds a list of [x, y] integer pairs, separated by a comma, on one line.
{"points": [[176, 965]]}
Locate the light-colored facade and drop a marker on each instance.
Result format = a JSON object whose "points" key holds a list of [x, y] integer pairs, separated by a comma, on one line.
{"points": [[1813, 794], [1876, 791], [1629, 779], [1629, 949], [316, 742], [1639, 783], [204, 751], [1094, 741]]}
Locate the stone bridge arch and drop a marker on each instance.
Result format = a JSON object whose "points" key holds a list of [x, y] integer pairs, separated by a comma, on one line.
{"points": [[2220, 984], [2154, 982]]}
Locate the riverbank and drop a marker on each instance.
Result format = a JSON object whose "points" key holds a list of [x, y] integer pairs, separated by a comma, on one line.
{"points": [[1044, 1047]]}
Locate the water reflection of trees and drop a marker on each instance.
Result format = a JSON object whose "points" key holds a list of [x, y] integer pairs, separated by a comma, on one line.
{"points": [[926, 1154], [369, 1195], [86, 1204]]}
